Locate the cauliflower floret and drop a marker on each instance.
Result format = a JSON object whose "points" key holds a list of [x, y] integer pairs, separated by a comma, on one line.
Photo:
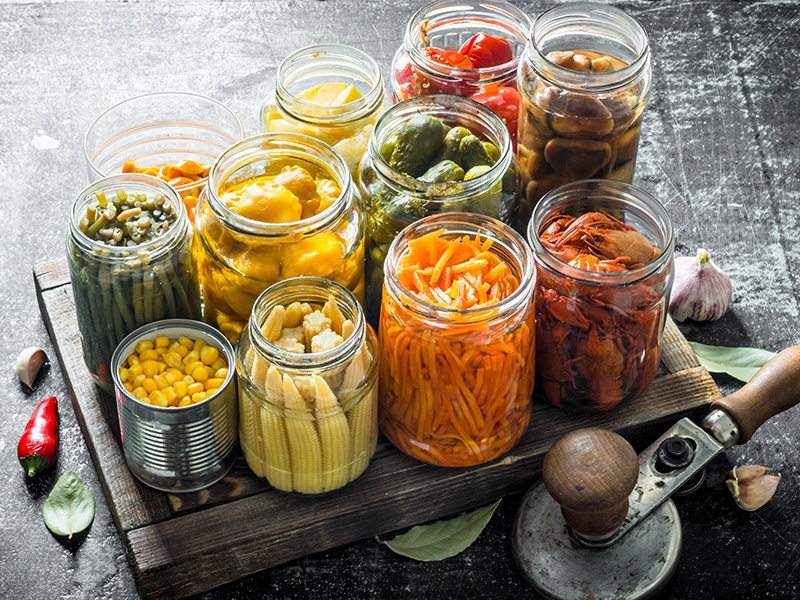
{"points": [[325, 340]]}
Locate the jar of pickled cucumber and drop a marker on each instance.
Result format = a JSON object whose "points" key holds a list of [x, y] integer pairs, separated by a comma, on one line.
{"points": [[585, 80], [427, 155], [129, 255], [457, 340], [277, 206], [331, 92], [468, 48], [308, 387]]}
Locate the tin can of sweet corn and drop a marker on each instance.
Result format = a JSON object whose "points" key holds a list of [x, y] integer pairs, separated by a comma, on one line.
{"points": [[186, 442], [308, 387]]}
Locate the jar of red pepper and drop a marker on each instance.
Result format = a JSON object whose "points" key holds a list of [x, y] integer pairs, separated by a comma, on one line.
{"points": [[604, 266], [469, 48]]}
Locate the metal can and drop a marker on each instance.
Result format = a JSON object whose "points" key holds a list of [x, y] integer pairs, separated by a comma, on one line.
{"points": [[584, 82], [331, 92], [308, 387], [604, 260], [277, 205], [456, 377], [183, 448], [394, 197], [121, 277]]}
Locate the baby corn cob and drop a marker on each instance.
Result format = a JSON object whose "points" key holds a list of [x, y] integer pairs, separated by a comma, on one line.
{"points": [[363, 417], [249, 434], [274, 433], [304, 443], [334, 313], [334, 434]]}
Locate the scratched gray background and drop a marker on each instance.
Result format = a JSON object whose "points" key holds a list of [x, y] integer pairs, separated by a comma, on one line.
{"points": [[719, 149]]}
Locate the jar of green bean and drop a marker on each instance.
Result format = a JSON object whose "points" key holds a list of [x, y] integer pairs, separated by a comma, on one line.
{"points": [[129, 254]]}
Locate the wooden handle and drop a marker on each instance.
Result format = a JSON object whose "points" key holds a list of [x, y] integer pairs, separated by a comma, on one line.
{"points": [[773, 389], [591, 473]]}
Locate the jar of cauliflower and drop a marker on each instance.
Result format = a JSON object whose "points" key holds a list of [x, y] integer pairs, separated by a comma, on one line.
{"points": [[308, 387], [277, 206]]}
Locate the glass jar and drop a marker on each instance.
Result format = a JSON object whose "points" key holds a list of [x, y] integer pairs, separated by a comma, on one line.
{"points": [[331, 92], [448, 25], [118, 288], [394, 199], [456, 383], [253, 231], [585, 80], [308, 387], [174, 136], [604, 261]]}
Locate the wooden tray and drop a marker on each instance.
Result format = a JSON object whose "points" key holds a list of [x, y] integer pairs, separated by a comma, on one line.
{"points": [[180, 545]]}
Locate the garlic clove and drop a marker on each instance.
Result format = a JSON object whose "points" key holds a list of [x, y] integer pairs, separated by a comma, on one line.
{"points": [[701, 291], [28, 364], [752, 486]]}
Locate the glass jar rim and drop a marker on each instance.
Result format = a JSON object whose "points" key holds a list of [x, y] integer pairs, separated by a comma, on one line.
{"points": [[154, 96], [151, 248], [460, 107], [307, 60], [457, 224], [262, 145], [625, 195]]}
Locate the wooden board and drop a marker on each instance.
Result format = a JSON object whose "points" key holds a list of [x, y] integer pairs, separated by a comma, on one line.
{"points": [[180, 545]]}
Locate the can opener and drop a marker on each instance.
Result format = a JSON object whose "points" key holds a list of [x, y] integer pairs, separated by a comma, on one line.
{"points": [[601, 523]]}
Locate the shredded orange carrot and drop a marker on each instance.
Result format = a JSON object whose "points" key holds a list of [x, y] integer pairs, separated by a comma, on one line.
{"points": [[459, 394]]}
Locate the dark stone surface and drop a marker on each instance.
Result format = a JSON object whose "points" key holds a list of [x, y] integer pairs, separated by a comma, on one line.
{"points": [[719, 149]]}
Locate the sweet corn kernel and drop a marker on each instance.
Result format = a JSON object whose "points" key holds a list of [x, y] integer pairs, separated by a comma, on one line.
{"points": [[173, 375], [128, 386], [149, 354], [157, 398], [173, 359], [149, 385], [208, 354], [210, 391], [178, 349], [198, 397], [139, 393], [199, 344], [221, 373], [214, 382], [185, 401], [194, 388], [190, 368], [186, 342], [133, 359], [143, 345], [180, 387], [161, 381], [219, 364], [162, 341], [191, 356], [137, 381], [200, 374], [150, 367], [124, 374], [136, 369], [170, 394]]}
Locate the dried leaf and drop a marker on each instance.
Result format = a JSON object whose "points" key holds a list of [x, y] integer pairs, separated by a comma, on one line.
{"points": [[740, 363], [442, 539], [69, 509]]}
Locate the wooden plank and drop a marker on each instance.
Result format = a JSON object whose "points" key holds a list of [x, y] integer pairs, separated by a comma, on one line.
{"points": [[179, 545]]}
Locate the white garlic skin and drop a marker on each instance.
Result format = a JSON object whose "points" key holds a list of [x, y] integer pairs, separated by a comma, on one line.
{"points": [[752, 486], [28, 364], [701, 291]]}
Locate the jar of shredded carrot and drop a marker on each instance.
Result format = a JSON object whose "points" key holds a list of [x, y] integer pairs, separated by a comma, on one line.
{"points": [[331, 92], [277, 206], [457, 340], [308, 387]]}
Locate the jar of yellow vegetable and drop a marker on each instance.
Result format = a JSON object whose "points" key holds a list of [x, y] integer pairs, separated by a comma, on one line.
{"points": [[277, 205], [308, 387], [331, 92]]}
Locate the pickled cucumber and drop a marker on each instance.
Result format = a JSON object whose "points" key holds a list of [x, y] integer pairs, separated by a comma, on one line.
{"points": [[417, 142]]}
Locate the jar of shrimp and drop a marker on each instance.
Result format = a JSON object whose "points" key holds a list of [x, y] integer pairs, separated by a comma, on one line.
{"points": [[432, 154], [584, 80], [457, 340], [308, 387], [604, 260], [470, 48], [129, 255], [277, 206], [331, 92]]}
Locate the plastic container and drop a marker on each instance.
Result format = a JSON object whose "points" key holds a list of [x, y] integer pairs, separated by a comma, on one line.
{"points": [[585, 80], [158, 131], [185, 448], [117, 289], [448, 25], [456, 383], [393, 199], [251, 233], [599, 323], [309, 409], [331, 92]]}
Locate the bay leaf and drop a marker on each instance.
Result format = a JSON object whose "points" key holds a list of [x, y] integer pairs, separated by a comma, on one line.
{"points": [[738, 362], [69, 508], [442, 539]]}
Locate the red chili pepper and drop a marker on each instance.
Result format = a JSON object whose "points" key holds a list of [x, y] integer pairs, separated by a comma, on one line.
{"points": [[487, 51], [38, 447]]}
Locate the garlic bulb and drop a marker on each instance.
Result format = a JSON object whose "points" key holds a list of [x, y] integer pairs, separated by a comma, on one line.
{"points": [[28, 363], [752, 486], [701, 290]]}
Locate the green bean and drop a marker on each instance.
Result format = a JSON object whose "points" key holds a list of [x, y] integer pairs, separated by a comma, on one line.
{"points": [[123, 299], [166, 290], [138, 300], [147, 285]]}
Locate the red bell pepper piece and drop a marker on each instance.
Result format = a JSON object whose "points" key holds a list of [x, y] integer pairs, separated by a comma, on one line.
{"points": [[450, 58], [487, 51], [38, 447], [504, 101]]}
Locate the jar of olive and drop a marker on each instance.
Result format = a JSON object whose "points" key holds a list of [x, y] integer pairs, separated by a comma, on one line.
{"points": [[276, 206], [584, 82], [129, 255], [432, 154], [331, 92]]}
